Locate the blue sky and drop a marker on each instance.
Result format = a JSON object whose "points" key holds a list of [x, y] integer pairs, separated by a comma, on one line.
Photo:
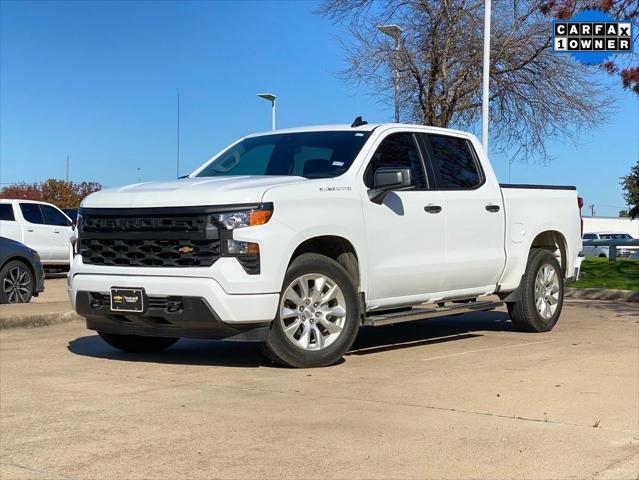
{"points": [[98, 82]]}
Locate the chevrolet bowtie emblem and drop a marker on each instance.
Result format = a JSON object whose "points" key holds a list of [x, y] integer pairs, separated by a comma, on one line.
{"points": [[185, 249]]}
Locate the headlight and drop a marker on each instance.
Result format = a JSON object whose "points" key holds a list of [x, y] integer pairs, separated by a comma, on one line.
{"points": [[244, 218]]}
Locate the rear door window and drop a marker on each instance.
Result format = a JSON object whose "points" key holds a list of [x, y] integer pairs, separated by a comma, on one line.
{"points": [[453, 163], [6, 212], [32, 213]]}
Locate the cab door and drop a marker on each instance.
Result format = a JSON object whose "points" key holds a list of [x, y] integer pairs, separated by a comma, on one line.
{"points": [[60, 230], [406, 253], [474, 213], [37, 235]]}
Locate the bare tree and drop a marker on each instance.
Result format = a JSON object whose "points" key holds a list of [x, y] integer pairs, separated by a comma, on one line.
{"points": [[535, 95]]}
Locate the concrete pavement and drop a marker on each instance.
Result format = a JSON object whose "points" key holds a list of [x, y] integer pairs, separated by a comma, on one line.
{"points": [[459, 397], [50, 307]]}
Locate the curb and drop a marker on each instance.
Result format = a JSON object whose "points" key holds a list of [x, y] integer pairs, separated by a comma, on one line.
{"points": [[602, 294], [38, 320]]}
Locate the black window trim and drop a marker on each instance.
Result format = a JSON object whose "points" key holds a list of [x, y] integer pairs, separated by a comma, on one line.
{"points": [[420, 152], [425, 138]]}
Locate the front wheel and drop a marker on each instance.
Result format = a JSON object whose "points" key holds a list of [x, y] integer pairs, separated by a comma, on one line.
{"points": [[17, 283], [318, 314], [542, 294], [137, 343]]}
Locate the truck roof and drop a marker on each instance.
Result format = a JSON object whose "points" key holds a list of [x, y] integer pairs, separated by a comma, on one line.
{"points": [[369, 127]]}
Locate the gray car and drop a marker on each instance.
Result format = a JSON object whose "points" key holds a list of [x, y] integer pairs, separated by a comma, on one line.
{"points": [[21, 272]]}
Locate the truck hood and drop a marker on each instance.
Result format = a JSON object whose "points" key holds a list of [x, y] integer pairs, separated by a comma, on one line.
{"points": [[189, 192]]}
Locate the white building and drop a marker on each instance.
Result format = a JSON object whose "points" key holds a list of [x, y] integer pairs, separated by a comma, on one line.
{"points": [[612, 224]]}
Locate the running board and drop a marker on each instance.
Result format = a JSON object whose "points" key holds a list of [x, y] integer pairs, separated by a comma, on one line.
{"points": [[422, 313]]}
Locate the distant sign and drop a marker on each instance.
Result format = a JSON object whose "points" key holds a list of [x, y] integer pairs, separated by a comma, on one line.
{"points": [[592, 36]]}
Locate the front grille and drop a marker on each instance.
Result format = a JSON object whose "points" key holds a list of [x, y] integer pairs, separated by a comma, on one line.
{"points": [[150, 253], [149, 238]]}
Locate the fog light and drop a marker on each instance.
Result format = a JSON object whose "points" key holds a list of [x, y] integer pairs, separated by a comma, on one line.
{"points": [[236, 247]]}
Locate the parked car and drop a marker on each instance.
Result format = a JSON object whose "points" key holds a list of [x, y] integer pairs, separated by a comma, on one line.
{"points": [[296, 238], [39, 225], [603, 251], [21, 272]]}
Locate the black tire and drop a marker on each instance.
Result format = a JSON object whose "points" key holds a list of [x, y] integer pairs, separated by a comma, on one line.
{"points": [[524, 314], [17, 283], [137, 343], [602, 255], [280, 349]]}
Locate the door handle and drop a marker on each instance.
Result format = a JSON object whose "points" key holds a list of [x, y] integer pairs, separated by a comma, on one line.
{"points": [[56, 231], [433, 208], [492, 208], [29, 229]]}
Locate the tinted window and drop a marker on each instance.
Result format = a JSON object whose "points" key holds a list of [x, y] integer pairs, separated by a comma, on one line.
{"points": [[309, 154], [53, 216], [6, 212], [453, 163], [31, 212], [590, 236], [398, 150]]}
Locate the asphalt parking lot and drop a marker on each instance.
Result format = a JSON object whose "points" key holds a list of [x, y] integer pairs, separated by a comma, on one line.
{"points": [[457, 397]]}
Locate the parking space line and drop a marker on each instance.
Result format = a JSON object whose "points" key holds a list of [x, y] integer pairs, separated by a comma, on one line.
{"points": [[486, 349]]}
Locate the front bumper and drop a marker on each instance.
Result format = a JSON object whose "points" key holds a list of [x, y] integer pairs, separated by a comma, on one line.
{"points": [[207, 310], [195, 319]]}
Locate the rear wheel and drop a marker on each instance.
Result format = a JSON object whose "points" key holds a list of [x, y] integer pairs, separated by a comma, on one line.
{"points": [[16, 283], [542, 294], [137, 343], [318, 314]]}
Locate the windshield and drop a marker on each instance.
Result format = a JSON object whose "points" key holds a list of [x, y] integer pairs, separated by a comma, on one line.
{"points": [[304, 154]]}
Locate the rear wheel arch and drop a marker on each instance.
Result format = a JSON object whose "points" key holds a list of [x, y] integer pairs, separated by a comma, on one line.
{"points": [[555, 242]]}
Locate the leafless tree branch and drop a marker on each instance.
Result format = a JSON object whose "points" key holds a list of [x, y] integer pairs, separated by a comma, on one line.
{"points": [[535, 95]]}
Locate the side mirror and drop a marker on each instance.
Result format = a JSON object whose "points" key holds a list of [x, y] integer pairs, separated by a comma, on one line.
{"points": [[387, 179]]}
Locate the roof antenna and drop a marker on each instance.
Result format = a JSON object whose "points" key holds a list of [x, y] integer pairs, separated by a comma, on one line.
{"points": [[359, 122]]}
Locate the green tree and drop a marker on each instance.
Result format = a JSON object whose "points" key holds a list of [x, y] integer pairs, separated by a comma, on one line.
{"points": [[630, 184]]}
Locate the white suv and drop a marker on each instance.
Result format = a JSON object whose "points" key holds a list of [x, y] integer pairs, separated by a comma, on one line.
{"points": [[39, 225]]}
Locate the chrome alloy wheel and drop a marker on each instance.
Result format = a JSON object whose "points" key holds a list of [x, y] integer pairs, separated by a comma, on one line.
{"points": [[17, 285], [313, 311], [547, 291]]}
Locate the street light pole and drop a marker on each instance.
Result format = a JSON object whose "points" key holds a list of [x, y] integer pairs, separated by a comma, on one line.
{"points": [[485, 96], [395, 32], [271, 98]]}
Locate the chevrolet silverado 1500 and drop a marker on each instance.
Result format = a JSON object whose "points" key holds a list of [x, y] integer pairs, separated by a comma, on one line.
{"points": [[296, 238]]}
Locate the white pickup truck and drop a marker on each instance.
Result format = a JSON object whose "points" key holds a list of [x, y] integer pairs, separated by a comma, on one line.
{"points": [[296, 238]]}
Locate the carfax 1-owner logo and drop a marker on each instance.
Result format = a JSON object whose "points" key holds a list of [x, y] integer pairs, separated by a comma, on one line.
{"points": [[592, 36]]}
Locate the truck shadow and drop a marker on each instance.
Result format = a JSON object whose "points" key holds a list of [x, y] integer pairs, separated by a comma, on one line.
{"points": [[246, 355], [426, 332]]}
